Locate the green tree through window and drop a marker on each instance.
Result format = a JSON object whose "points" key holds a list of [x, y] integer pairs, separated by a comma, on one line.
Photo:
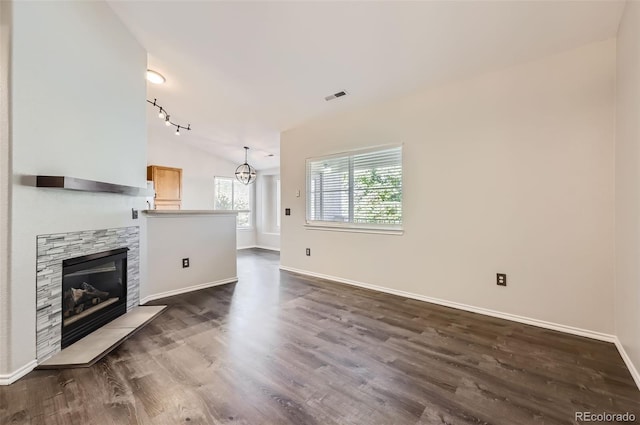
{"points": [[361, 189], [378, 196], [230, 194]]}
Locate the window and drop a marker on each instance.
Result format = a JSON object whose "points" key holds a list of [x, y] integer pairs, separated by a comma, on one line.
{"points": [[360, 189], [230, 194]]}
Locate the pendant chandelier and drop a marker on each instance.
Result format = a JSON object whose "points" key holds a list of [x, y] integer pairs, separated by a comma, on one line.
{"points": [[245, 173]]}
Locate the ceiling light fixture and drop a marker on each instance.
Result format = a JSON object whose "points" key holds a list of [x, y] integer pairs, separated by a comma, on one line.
{"points": [[155, 77], [245, 173], [163, 114]]}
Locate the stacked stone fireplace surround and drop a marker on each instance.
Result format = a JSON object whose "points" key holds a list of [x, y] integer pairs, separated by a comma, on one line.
{"points": [[52, 249]]}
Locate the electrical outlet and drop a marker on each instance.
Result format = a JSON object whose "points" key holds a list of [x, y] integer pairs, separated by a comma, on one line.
{"points": [[185, 263], [287, 211], [308, 252], [501, 279], [134, 214]]}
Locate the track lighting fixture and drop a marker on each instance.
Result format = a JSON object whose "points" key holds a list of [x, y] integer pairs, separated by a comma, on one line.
{"points": [[163, 114]]}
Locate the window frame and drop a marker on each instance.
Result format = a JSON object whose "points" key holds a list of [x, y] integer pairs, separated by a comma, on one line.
{"points": [[339, 226], [249, 226]]}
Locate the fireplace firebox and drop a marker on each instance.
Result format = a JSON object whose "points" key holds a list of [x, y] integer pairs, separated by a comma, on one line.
{"points": [[94, 292]]}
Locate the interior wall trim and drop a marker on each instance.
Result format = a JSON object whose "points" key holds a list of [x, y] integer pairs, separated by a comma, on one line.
{"points": [[473, 309], [487, 312], [245, 247], [627, 360], [173, 292], [12, 377], [268, 248]]}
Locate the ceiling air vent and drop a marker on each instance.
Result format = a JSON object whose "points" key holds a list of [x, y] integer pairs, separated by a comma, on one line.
{"points": [[336, 95]]}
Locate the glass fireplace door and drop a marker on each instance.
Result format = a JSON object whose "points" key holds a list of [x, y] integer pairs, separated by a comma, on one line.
{"points": [[94, 292]]}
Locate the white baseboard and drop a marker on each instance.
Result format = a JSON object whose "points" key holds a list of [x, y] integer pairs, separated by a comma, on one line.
{"points": [[14, 376], [487, 312], [187, 289], [473, 309], [627, 360], [268, 248]]}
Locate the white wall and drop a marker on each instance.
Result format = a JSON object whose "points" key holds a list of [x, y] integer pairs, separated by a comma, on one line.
{"points": [[506, 172], [267, 231], [628, 183], [208, 241], [78, 109], [198, 170]]}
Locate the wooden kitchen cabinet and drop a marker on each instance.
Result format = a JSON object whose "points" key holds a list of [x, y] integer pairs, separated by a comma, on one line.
{"points": [[167, 182], [167, 205]]}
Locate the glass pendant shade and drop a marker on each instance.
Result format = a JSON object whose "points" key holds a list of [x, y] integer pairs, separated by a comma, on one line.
{"points": [[245, 173]]}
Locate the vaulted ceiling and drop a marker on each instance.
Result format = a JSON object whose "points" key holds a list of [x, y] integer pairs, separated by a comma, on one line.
{"points": [[242, 72]]}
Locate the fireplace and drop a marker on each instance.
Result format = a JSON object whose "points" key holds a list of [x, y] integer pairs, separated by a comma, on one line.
{"points": [[94, 292]]}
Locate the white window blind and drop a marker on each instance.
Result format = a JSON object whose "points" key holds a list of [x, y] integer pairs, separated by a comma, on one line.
{"points": [[358, 189], [230, 194]]}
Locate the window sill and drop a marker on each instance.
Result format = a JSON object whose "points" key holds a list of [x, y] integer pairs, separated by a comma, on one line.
{"points": [[350, 229], [245, 229]]}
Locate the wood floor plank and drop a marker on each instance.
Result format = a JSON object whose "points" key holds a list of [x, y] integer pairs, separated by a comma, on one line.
{"points": [[280, 348]]}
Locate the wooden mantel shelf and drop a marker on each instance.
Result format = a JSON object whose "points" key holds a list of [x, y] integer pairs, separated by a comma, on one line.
{"points": [[73, 183]]}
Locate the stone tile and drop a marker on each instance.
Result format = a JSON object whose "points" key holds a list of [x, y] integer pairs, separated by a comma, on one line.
{"points": [[52, 249]]}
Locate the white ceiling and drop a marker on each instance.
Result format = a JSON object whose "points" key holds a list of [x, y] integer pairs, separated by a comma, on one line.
{"points": [[241, 72]]}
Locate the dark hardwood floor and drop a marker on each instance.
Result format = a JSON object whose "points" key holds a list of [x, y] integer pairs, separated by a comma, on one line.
{"points": [[278, 348]]}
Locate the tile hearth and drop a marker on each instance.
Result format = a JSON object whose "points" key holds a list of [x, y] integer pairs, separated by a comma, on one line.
{"points": [[98, 344]]}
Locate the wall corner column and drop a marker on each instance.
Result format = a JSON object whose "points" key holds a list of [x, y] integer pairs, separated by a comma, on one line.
{"points": [[6, 183]]}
